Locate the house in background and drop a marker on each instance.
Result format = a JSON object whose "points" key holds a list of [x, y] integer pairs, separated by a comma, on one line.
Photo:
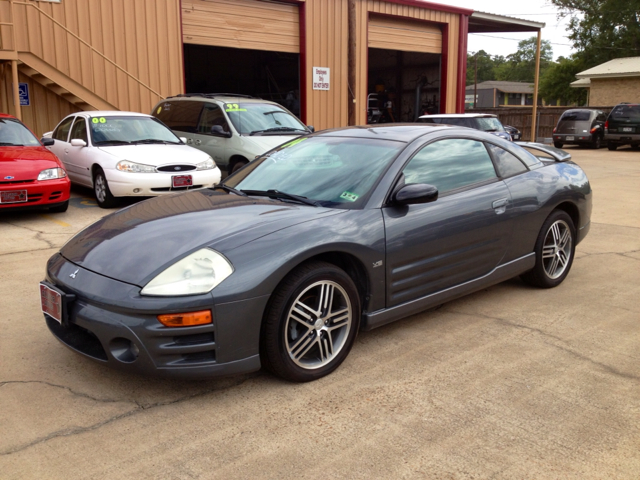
{"points": [[610, 83], [494, 93]]}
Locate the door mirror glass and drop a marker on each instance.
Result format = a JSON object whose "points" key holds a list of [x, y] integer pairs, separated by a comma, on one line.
{"points": [[415, 193]]}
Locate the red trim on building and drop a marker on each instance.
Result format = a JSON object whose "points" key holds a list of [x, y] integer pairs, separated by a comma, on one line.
{"points": [[303, 61], [462, 63], [444, 68]]}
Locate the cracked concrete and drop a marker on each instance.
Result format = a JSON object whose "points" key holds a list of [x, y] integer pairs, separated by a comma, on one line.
{"points": [[510, 382]]}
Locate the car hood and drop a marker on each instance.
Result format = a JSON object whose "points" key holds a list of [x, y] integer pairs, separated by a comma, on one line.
{"points": [[157, 155], [134, 244], [25, 163]]}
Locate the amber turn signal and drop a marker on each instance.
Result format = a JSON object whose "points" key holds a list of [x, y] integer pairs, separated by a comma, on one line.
{"points": [[190, 319]]}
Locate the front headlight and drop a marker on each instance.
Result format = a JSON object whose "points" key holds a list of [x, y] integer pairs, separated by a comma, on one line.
{"points": [[208, 164], [132, 167], [197, 273], [52, 174]]}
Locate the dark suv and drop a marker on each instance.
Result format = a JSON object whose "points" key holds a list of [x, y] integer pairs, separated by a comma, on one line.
{"points": [[623, 126], [580, 127]]}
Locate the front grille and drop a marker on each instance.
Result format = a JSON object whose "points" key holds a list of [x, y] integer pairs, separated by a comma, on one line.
{"points": [[78, 338], [16, 182], [176, 189], [176, 168]]}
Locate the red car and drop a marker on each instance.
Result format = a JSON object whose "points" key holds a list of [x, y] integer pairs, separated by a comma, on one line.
{"points": [[30, 175]]}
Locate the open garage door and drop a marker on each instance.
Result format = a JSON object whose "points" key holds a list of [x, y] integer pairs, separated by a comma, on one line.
{"points": [[247, 47], [404, 68]]}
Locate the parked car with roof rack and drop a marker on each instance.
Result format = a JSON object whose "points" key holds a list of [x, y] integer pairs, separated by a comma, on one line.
{"points": [[30, 175], [623, 126], [234, 129], [478, 121], [580, 126], [123, 154]]}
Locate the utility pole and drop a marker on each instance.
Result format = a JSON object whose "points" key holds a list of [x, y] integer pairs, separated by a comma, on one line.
{"points": [[475, 81]]}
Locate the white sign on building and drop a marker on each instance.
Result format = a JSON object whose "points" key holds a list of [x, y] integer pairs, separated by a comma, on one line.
{"points": [[321, 78]]}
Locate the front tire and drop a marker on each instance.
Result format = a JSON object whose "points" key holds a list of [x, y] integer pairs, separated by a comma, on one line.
{"points": [[558, 144], [555, 249], [311, 324], [612, 146], [237, 166], [101, 190]]}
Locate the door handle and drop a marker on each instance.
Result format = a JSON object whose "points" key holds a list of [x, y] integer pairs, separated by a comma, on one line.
{"points": [[500, 206], [66, 150]]}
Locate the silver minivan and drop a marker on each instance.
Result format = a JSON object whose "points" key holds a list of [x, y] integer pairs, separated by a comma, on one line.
{"points": [[233, 129]]}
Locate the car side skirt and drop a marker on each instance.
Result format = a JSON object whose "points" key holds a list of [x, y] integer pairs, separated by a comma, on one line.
{"points": [[499, 274]]}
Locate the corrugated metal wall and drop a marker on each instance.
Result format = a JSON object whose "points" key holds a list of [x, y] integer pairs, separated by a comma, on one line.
{"points": [[242, 24], [142, 37], [327, 46], [403, 34]]}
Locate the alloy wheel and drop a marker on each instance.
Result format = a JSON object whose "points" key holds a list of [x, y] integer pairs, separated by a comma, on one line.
{"points": [[556, 252]]}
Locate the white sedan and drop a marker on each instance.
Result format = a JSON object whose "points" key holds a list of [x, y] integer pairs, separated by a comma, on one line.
{"points": [[122, 154]]}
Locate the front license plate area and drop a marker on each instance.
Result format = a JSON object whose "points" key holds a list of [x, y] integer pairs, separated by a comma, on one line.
{"points": [[51, 302], [16, 196], [570, 138], [178, 181]]}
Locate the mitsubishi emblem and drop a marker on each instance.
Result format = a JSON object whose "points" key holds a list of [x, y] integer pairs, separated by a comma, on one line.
{"points": [[73, 275]]}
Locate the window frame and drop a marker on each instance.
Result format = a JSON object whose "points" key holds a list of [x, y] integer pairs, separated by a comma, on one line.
{"points": [[71, 119]]}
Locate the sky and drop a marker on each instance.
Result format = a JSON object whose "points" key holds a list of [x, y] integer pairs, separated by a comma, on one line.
{"points": [[534, 10]]}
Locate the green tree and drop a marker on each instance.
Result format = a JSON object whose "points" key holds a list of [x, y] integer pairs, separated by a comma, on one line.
{"points": [[486, 66], [602, 30], [555, 82], [521, 65]]}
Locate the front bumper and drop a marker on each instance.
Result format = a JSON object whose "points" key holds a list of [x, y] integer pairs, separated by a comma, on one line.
{"points": [[109, 322], [125, 184], [39, 194]]}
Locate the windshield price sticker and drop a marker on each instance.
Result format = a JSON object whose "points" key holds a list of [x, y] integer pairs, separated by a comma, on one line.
{"points": [[351, 197], [294, 142], [234, 107], [97, 120]]}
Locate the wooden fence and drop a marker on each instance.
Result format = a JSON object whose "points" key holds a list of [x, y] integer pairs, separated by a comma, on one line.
{"points": [[520, 117]]}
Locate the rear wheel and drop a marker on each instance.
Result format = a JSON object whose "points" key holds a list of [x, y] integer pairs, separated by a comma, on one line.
{"points": [[237, 166], [554, 250], [612, 146], [311, 324], [597, 142], [101, 189], [558, 144]]}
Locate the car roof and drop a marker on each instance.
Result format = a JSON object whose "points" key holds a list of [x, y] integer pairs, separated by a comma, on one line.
{"points": [[459, 115], [223, 97], [109, 113], [403, 132], [6, 115]]}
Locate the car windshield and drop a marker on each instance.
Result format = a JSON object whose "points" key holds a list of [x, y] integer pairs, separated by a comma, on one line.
{"points": [[124, 130], [262, 118], [332, 171], [626, 113], [13, 133], [489, 124], [579, 116]]}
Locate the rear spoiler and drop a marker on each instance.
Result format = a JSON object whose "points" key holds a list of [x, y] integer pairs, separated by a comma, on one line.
{"points": [[557, 154]]}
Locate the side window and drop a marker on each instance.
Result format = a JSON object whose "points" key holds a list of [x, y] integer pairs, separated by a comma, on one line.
{"points": [[212, 115], [79, 130], [451, 164], [62, 131], [507, 163], [180, 116]]}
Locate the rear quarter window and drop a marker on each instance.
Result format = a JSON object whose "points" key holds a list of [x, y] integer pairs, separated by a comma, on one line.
{"points": [[181, 116]]}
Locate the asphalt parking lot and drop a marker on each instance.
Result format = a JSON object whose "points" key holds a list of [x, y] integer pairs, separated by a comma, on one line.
{"points": [[510, 382]]}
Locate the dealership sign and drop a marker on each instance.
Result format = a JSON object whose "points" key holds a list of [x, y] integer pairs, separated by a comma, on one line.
{"points": [[321, 78]]}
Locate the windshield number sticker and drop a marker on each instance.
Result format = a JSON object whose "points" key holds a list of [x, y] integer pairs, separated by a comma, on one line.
{"points": [[351, 197], [294, 142], [234, 107], [99, 120]]}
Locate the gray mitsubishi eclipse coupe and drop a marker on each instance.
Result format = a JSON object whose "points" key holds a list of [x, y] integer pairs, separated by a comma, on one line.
{"points": [[283, 263]]}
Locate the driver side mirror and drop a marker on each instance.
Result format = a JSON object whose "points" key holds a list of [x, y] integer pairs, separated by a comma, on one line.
{"points": [[47, 142], [77, 142], [415, 193], [218, 131], [311, 128]]}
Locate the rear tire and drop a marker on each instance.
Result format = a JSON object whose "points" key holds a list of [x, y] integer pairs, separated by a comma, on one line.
{"points": [[612, 146], [597, 142], [555, 249], [311, 324], [558, 144], [101, 190]]}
